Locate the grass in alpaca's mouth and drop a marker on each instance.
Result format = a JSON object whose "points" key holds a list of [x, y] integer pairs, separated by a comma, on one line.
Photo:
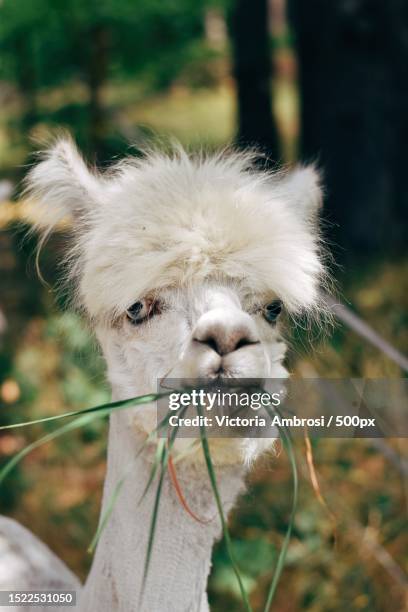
{"points": [[161, 464]]}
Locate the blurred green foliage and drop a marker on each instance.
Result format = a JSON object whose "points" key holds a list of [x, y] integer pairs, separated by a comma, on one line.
{"points": [[56, 39], [84, 45]]}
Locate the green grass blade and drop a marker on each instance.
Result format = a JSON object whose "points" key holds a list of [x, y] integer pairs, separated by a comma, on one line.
{"points": [[213, 480], [171, 440], [153, 471], [162, 457], [287, 441], [117, 490], [155, 512], [107, 514], [83, 417], [80, 421], [121, 404]]}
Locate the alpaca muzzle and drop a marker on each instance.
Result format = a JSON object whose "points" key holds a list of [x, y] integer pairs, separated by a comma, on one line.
{"points": [[224, 344]]}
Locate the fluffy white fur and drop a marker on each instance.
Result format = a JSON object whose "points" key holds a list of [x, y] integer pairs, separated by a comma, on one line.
{"points": [[214, 240], [165, 219]]}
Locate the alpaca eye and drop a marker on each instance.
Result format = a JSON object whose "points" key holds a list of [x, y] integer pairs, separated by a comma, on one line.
{"points": [[272, 311], [139, 311]]}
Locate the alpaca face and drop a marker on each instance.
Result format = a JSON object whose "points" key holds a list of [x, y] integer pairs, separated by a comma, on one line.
{"points": [[208, 331], [212, 330], [183, 263]]}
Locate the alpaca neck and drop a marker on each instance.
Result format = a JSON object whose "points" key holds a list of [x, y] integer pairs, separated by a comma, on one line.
{"points": [[181, 557]]}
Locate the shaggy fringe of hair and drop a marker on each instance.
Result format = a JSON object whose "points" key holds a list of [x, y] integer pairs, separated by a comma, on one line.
{"points": [[319, 316]]}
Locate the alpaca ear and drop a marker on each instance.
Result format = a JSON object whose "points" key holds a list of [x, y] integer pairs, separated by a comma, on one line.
{"points": [[62, 185], [303, 188]]}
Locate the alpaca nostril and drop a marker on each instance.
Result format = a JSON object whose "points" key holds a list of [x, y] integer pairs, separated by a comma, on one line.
{"points": [[244, 342], [226, 343], [212, 343]]}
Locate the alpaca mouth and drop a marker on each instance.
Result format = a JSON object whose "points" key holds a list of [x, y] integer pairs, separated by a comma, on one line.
{"points": [[228, 378]]}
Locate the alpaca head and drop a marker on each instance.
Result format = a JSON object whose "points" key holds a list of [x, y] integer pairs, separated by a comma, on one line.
{"points": [[184, 263]]}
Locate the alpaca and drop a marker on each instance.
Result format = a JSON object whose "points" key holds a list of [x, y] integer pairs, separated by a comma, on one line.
{"points": [[182, 264]]}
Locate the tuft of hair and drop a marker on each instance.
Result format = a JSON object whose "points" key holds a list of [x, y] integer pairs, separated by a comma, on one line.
{"points": [[304, 188], [61, 184], [62, 187]]}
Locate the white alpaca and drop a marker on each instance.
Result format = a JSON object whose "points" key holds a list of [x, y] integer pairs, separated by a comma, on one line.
{"points": [[175, 259]]}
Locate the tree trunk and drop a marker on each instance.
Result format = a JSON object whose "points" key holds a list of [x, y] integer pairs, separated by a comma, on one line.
{"points": [[25, 73], [252, 71], [399, 162], [97, 74], [354, 104]]}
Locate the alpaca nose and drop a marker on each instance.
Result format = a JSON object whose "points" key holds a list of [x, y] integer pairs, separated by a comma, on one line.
{"points": [[225, 332]]}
